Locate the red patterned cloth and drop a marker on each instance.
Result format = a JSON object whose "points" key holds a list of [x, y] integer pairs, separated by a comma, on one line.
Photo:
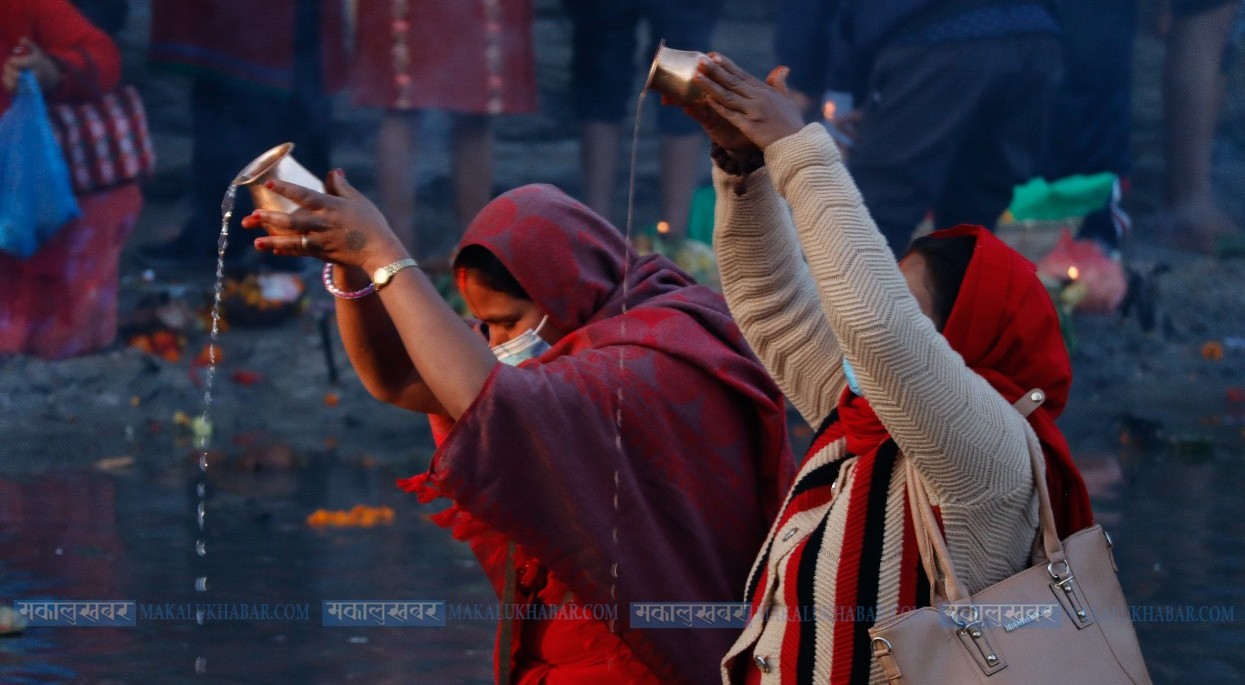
{"points": [[105, 142], [704, 458], [470, 56]]}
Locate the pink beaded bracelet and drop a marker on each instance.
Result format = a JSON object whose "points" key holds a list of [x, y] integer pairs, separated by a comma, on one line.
{"points": [[327, 277]]}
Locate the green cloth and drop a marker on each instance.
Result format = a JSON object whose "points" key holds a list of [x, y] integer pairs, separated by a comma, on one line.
{"points": [[700, 219], [1073, 196]]}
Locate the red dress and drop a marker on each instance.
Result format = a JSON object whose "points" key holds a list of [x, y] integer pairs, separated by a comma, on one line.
{"points": [[468, 56], [571, 648]]}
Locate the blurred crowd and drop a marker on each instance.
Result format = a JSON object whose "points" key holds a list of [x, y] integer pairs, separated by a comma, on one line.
{"points": [[942, 107]]}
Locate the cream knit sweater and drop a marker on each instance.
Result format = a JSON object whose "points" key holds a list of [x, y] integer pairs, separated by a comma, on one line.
{"points": [[802, 310]]}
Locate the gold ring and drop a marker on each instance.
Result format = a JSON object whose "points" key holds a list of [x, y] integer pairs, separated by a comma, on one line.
{"points": [[305, 246]]}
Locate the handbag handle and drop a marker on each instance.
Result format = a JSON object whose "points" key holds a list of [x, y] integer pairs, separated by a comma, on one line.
{"points": [[935, 556]]}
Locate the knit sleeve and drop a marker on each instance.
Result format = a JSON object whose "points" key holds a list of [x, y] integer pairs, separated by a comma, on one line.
{"points": [[772, 296], [964, 438]]}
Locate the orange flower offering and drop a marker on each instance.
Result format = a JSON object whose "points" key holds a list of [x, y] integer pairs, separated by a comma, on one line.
{"points": [[164, 344], [1212, 351], [361, 516]]}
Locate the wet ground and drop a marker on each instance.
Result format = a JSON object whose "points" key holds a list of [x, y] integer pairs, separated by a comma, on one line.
{"points": [[97, 477]]}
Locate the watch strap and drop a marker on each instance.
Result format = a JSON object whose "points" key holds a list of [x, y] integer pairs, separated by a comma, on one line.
{"points": [[386, 273]]}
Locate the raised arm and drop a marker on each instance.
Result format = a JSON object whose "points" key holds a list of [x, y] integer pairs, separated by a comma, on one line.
{"points": [[376, 350], [963, 437], [771, 294], [345, 228]]}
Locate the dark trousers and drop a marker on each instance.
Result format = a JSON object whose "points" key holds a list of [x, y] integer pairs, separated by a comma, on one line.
{"points": [[603, 41], [235, 122], [1092, 125], [953, 127]]}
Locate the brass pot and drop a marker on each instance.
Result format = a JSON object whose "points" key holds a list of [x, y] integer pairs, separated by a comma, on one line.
{"points": [[672, 72], [276, 164]]}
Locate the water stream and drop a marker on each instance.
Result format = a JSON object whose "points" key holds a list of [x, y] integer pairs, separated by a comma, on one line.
{"points": [[203, 429], [618, 422]]}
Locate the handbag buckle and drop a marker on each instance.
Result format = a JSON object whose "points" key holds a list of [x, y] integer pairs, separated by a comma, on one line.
{"points": [[1070, 597], [973, 636]]}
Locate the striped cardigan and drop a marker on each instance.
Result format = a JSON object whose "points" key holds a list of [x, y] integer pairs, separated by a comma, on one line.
{"points": [[803, 310]]}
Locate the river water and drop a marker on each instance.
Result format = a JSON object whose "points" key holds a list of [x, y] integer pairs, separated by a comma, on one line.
{"points": [[93, 535]]}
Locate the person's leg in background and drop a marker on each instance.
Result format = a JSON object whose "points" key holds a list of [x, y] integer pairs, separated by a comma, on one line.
{"points": [[395, 173], [473, 165], [919, 107], [224, 141], [1009, 138], [686, 25], [602, 67], [1091, 126], [1193, 93]]}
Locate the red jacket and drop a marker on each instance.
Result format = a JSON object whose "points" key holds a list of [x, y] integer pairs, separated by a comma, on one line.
{"points": [[89, 61]]}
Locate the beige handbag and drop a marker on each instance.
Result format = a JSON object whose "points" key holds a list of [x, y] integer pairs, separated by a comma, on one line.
{"points": [[1063, 620]]}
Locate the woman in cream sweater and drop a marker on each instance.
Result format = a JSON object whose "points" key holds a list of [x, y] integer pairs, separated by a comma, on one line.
{"points": [[919, 362]]}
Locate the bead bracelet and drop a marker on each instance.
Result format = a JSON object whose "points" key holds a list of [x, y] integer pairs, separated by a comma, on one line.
{"points": [[327, 277]]}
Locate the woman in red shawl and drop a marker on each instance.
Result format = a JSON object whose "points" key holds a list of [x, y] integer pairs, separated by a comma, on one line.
{"points": [[563, 508], [910, 370]]}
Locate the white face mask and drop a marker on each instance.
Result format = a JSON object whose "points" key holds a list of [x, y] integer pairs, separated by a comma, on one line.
{"points": [[528, 345]]}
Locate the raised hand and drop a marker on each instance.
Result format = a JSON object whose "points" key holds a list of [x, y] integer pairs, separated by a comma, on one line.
{"points": [[340, 226], [762, 112]]}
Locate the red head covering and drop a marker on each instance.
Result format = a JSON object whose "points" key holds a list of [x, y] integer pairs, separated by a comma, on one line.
{"points": [[704, 459], [1004, 325]]}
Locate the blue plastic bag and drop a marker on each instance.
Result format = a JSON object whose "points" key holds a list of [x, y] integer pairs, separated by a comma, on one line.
{"points": [[36, 199]]}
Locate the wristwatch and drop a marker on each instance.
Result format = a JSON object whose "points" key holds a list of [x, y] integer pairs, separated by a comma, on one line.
{"points": [[384, 274]]}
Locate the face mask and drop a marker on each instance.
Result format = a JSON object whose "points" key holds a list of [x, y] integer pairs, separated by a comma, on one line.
{"points": [[527, 346], [851, 377]]}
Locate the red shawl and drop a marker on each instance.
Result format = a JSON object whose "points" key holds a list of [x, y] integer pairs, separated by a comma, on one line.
{"points": [[1005, 326], [704, 459]]}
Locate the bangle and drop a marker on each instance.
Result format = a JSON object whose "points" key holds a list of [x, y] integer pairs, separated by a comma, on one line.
{"points": [[327, 277]]}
